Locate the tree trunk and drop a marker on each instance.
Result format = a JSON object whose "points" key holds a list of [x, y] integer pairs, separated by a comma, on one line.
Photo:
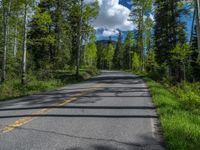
{"points": [[142, 44], [184, 72], [23, 80], [129, 61], [79, 42], [5, 24], [58, 28], [15, 41]]}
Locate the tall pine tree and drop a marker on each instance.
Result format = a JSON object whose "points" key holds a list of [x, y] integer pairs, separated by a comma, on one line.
{"points": [[128, 46], [118, 55], [169, 29], [139, 10]]}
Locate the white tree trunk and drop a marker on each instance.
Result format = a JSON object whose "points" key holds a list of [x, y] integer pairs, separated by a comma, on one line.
{"points": [[79, 41], [24, 45], [15, 41]]}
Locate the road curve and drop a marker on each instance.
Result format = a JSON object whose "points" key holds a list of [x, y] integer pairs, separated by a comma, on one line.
{"points": [[112, 111]]}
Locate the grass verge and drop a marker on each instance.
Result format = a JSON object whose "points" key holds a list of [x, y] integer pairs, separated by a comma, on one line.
{"points": [[180, 126], [11, 89]]}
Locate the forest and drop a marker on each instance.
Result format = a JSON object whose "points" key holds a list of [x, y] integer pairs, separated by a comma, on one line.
{"points": [[46, 44], [49, 43]]}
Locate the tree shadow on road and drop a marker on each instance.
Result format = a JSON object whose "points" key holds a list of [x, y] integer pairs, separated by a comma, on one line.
{"points": [[94, 143]]}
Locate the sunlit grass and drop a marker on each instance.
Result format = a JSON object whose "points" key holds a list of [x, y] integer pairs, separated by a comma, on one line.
{"points": [[13, 88], [180, 126]]}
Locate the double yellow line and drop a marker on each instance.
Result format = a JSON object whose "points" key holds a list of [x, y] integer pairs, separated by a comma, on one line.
{"points": [[25, 120]]}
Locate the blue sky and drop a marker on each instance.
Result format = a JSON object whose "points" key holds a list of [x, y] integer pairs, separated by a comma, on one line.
{"points": [[114, 15]]}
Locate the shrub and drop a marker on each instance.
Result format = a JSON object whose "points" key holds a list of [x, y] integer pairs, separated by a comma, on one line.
{"points": [[159, 73], [189, 95], [136, 62]]}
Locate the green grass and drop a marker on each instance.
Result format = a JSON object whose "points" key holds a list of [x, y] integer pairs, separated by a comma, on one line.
{"points": [[180, 125], [11, 89]]}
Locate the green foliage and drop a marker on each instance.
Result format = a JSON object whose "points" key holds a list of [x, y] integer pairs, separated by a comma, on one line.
{"points": [[42, 20], [136, 63], [90, 54], [108, 55], [180, 127], [148, 32], [141, 9], [180, 57], [41, 81], [48, 29], [118, 55], [105, 54], [169, 29], [83, 28], [52, 28], [128, 46], [188, 94], [129, 40], [150, 61], [181, 53], [159, 73], [12, 89]]}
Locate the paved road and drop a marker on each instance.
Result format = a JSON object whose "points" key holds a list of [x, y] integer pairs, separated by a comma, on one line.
{"points": [[113, 111]]}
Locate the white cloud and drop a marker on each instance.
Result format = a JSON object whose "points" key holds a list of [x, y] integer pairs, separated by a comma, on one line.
{"points": [[110, 32], [112, 16]]}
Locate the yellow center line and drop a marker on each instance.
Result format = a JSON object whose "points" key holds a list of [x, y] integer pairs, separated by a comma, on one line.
{"points": [[25, 120]]}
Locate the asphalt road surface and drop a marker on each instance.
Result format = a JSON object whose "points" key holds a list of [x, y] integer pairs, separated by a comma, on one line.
{"points": [[113, 111]]}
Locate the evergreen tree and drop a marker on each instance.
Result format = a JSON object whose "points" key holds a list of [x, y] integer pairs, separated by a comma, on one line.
{"points": [[139, 10], [118, 55], [197, 15], [100, 56], [150, 61], [109, 53], [128, 45], [180, 58], [169, 29], [195, 54], [148, 32], [44, 34], [56, 32], [81, 28]]}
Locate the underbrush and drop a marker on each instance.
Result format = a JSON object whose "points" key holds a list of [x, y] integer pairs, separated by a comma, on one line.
{"points": [[12, 89], [179, 112], [41, 81], [189, 95]]}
